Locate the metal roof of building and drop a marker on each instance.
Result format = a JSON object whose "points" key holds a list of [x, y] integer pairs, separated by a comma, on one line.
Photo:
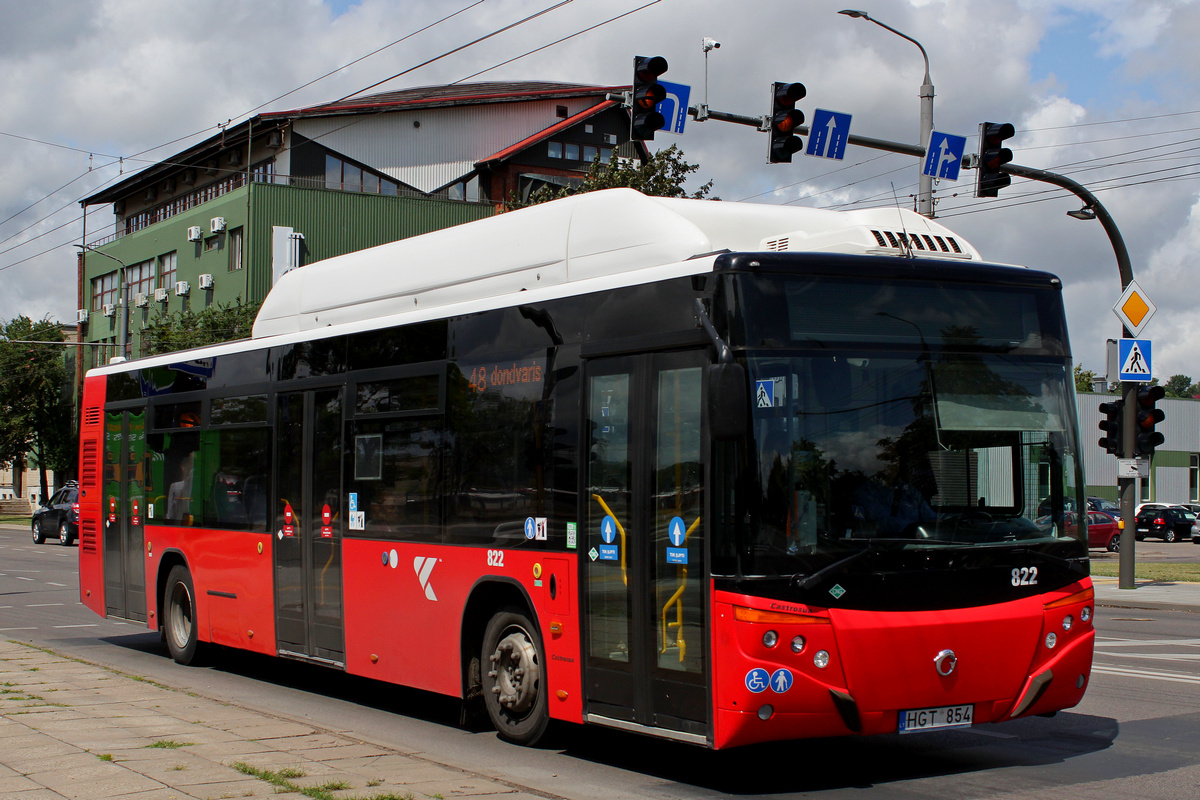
{"points": [[448, 95]]}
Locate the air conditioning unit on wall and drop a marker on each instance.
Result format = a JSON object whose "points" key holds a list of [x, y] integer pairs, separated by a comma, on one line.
{"points": [[81, 316], [217, 224], [206, 281], [141, 300], [161, 295], [110, 310], [182, 288], [195, 233]]}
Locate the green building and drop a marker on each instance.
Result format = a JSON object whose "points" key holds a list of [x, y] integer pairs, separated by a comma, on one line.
{"points": [[219, 222]]}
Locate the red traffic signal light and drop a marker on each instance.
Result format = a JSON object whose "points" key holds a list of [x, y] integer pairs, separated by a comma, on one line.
{"points": [[1146, 438], [647, 94], [991, 156], [785, 118]]}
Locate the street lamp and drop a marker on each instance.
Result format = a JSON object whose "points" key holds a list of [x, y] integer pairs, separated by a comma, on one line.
{"points": [[925, 185], [123, 328]]}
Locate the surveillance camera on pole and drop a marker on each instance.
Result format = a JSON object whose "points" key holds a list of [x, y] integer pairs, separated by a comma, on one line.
{"points": [[709, 43]]}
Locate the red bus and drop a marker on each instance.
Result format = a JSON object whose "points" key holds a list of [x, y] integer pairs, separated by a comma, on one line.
{"points": [[714, 472]]}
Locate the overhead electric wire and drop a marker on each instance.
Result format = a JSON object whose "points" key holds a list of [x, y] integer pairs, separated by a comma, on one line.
{"points": [[558, 41], [460, 48]]}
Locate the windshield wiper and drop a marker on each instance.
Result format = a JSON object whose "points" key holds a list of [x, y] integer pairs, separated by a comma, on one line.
{"points": [[815, 578]]}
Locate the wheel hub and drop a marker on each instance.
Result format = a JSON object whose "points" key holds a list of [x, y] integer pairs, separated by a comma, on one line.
{"points": [[516, 672]]}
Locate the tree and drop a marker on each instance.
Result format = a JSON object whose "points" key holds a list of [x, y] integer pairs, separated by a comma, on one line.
{"points": [[1083, 379], [1179, 386], [181, 330], [35, 398], [663, 175]]}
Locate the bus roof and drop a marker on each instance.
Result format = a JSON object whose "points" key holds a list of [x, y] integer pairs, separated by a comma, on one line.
{"points": [[614, 237]]}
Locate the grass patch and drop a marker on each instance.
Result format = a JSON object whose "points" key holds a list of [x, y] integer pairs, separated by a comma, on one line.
{"points": [[104, 756], [282, 781], [178, 768], [15, 519], [169, 744], [1160, 571]]}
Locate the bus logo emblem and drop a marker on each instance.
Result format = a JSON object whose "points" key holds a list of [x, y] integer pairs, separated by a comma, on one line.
{"points": [[423, 566], [945, 662]]}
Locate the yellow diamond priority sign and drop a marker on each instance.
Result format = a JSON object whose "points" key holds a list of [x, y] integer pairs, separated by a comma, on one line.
{"points": [[1134, 309]]}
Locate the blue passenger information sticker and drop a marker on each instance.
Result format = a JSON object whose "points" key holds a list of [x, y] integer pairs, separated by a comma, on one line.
{"points": [[781, 680]]}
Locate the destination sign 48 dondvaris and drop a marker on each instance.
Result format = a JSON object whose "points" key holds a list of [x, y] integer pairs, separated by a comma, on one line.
{"points": [[527, 372]]}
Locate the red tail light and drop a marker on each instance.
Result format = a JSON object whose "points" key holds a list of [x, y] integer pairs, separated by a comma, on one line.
{"points": [[1159, 521]]}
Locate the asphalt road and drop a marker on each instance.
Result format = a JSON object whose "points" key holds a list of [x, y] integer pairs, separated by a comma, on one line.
{"points": [[1137, 733]]}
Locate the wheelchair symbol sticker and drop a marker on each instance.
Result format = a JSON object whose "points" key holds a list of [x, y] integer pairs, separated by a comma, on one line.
{"points": [[757, 680]]}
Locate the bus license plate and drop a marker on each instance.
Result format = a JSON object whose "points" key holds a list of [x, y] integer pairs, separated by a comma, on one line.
{"points": [[928, 719]]}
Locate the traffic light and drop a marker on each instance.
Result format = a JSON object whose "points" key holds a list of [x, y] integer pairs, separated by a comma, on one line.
{"points": [[785, 118], [1146, 438], [1111, 426], [647, 93], [991, 156]]}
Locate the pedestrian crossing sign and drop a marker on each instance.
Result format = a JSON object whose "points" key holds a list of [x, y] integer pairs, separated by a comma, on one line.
{"points": [[1134, 355]]}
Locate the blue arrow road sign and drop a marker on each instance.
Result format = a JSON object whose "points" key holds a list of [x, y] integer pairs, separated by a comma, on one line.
{"points": [[828, 134], [1134, 355], [944, 156], [674, 106]]}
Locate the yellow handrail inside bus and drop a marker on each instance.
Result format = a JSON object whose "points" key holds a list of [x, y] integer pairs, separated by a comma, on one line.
{"points": [[676, 600], [621, 530]]}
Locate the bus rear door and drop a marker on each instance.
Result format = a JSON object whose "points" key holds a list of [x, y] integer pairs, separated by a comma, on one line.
{"points": [[308, 526]]}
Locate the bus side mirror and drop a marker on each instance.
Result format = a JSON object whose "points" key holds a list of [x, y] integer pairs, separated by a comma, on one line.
{"points": [[728, 405]]}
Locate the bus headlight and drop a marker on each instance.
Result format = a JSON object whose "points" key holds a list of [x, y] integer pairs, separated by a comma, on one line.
{"points": [[770, 639], [1068, 622], [1051, 640], [1086, 614], [821, 659], [797, 644]]}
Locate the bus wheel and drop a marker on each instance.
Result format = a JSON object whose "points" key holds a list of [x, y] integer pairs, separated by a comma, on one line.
{"points": [[514, 688], [179, 622]]}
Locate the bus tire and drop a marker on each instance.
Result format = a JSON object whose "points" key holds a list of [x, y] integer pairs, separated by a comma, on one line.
{"points": [[179, 619], [514, 685]]}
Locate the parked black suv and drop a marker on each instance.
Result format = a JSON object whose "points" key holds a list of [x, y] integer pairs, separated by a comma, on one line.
{"points": [[60, 515], [1172, 523]]}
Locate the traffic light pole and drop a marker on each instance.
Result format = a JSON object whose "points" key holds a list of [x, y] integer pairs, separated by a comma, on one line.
{"points": [[1126, 487]]}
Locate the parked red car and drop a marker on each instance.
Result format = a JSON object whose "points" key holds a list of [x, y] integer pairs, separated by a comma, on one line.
{"points": [[1103, 531]]}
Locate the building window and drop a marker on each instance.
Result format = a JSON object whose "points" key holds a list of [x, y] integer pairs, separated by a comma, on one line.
{"points": [[212, 243], [344, 176], [571, 152], [104, 291], [590, 154], [554, 149], [166, 271], [465, 190], [560, 112], [1194, 478], [235, 249], [140, 278]]}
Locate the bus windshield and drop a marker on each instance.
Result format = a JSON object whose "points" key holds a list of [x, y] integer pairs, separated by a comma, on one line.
{"points": [[913, 441]]}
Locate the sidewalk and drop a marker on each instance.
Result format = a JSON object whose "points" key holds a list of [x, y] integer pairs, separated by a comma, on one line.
{"points": [[1177, 596], [70, 729]]}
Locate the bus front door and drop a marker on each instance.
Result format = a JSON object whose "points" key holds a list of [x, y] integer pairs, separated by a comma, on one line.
{"points": [[308, 526], [646, 638], [124, 512]]}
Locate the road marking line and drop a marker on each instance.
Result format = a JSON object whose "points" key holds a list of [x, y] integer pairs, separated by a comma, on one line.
{"points": [[44, 605], [52, 583], [23, 578], [1174, 677], [90, 625], [18, 629]]}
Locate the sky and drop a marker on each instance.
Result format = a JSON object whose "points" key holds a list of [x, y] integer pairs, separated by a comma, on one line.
{"points": [[1102, 91]]}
